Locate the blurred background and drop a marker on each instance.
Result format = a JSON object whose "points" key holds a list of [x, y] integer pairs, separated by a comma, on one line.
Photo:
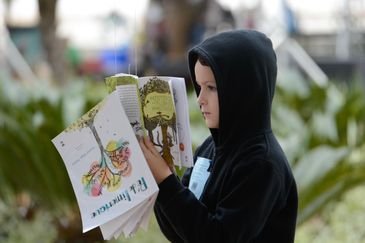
{"points": [[55, 54]]}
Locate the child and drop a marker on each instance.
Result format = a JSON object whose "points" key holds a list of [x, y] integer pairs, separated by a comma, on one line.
{"points": [[241, 188]]}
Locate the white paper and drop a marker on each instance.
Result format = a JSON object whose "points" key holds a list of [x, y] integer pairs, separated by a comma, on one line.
{"points": [[128, 94], [105, 189], [129, 226], [183, 122], [199, 176], [115, 227]]}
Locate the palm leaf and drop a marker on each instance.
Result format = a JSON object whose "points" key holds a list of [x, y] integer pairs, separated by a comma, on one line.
{"points": [[321, 131]]}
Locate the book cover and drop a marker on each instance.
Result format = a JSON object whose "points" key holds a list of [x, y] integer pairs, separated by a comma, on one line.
{"points": [[104, 161]]}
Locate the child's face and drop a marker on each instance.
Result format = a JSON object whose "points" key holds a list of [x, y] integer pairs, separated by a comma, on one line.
{"points": [[208, 97]]}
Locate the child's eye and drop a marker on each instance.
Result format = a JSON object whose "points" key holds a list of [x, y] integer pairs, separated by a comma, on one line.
{"points": [[212, 88]]}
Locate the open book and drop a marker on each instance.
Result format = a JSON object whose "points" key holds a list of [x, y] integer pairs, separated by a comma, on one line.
{"points": [[157, 106], [114, 187]]}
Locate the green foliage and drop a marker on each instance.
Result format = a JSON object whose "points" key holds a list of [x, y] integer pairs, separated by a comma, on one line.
{"points": [[29, 118], [21, 225], [26, 153], [322, 131], [341, 221]]}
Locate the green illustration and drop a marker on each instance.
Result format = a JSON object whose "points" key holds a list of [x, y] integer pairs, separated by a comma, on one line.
{"points": [[113, 81], [159, 115]]}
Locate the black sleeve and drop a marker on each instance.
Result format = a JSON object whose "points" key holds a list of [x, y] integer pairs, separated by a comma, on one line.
{"points": [[240, 213], [163, 222], [165, 225], [186, 177]]}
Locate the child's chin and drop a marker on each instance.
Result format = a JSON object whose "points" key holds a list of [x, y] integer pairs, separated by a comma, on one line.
{"points": [[211, 126]]}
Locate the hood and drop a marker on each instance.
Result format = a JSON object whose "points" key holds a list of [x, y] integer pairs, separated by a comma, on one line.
{"points": [[244, 65]]}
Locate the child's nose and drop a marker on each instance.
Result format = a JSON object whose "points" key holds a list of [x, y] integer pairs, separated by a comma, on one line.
{"points": [[201, 99]]}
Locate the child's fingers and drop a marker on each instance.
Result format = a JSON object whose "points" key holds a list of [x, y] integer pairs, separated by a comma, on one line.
{"points": [[147, 141], [145, 150], [150, 145]]}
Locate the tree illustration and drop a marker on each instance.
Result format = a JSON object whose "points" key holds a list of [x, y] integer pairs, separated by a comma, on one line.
{"points": [[112, 164], [157, 121]]}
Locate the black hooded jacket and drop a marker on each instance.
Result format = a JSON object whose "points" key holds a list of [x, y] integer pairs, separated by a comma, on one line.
{"points": [[250, 195]]}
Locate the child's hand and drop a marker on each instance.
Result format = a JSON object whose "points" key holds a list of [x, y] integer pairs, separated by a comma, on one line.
{"points": [[157, 164]]}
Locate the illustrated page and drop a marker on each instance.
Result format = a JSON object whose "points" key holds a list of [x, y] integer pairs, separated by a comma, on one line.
{"points": [[105, 163], [159, 117]]}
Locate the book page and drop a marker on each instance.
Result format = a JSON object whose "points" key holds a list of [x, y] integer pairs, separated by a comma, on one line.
{"points": [[136, 222], [183, 121], [105, 163], [120, 79], [110, 228], [128, 95], [159, 117], [115, 227], [127, 89], [144, 222]]}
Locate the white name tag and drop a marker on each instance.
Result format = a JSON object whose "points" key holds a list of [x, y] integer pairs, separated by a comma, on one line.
{"points": [[199, 176]]}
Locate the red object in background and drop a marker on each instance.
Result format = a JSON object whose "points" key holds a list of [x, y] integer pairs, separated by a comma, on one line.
{"points": [[91, 66]]}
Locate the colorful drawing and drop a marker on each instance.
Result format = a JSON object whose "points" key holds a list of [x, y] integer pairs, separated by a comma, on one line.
{"points": [[113, 163], [108, 172], [119, 153]]}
